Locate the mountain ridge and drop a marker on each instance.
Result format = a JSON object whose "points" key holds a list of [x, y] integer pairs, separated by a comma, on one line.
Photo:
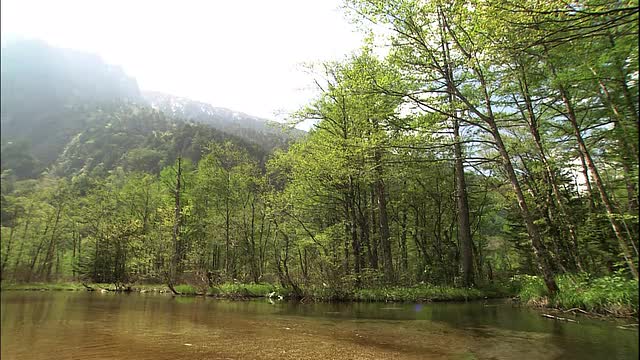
{"points": [[56, 77], [54, 100], [224, 119]]}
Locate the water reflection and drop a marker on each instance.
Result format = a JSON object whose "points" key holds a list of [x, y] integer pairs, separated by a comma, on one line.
{"points": [[37, 325]]}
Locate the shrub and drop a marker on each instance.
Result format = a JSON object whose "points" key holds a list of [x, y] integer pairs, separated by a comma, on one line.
{"points": [[418, 294], [242, 290], [612, 295], [530, 289], [186, 289]]}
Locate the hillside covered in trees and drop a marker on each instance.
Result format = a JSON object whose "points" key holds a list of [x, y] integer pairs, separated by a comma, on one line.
{"points": [[494, 140], [63, 111]]}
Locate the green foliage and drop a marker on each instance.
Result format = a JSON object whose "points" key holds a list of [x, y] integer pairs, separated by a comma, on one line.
{"points": [[615, 295], [422, 293], [609, 295], [530, 288], [17, 156], [186, 289], [243, 290], [42, 286]]}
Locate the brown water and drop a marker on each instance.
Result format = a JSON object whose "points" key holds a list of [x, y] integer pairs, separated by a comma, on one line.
{"points": [[79, 325]]}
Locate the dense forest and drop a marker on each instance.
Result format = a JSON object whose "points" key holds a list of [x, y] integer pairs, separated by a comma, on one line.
{"points": [[494, 138]]}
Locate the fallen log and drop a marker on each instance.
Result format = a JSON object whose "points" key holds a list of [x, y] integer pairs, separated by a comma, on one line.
{"points": [[576, 309], [558, 318]]}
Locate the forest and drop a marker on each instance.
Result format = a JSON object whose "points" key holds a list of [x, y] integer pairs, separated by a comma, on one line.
{"points": [[493, 144]]}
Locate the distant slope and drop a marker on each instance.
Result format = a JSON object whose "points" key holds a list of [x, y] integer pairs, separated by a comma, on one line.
{"points": [[69, 112], [137, 138], [266, 133], [36, 76], [46, 93]]}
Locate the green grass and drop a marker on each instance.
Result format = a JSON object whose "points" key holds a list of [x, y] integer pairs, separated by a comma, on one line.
{"points": [[150, 288], [234, 290], [42, 286], [420, 293], [185, 289], [76, 286], [417, 294], [610, 295], [425, 293]]}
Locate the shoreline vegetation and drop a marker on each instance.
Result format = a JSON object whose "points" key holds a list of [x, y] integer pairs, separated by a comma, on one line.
{"points": [[239, 291], [604, 297], [610, 296]]}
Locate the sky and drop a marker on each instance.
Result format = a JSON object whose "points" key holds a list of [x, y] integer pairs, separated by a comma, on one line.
{"points": [[239, 54]]}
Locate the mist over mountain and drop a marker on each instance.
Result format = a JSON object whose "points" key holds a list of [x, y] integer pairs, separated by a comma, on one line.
{"points": [[44, 76], [69, 111], [270, 133]]}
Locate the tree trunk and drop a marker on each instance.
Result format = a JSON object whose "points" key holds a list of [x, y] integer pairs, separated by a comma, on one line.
{"points": [[533, 129], [16, 265], [539, 250], [35, 255], [462, 202], [9, 243], [537, 245], [227, 264], [364, 229], [353, 227], [628, 150], [347, 235], [252, 248], [403, 242], [385, 238], [464, 224], [374, 233], [175, 259], [73, 256], [52, 245], [604, 196]]}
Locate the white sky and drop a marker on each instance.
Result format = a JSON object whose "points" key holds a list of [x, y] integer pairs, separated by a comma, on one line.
{"points": [[240, 54]]}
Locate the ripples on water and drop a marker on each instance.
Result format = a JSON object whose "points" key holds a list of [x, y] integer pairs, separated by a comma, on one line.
{"points": [[79, 325]]}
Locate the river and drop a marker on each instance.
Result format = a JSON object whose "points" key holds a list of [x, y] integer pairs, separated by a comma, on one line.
{"points": [[83, 325]]}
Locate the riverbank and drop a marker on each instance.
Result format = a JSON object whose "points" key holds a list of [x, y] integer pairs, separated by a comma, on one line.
{"points": [[76, 286], [612, 296], [422, 293]]}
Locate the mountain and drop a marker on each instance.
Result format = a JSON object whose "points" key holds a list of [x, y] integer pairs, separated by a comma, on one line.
{"points": [[48, 77], [138, 138], [46, 94], [267, 133], [67, 112]]}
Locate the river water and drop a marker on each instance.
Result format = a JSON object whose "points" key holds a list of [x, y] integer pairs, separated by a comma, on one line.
{"points": [[82, 325]]}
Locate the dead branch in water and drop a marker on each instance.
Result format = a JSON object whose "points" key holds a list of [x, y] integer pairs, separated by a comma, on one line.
{"points": [[558, 318]]}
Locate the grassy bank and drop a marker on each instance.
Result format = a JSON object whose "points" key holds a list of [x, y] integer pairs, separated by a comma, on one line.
{"points": [[610, 295], [70, 286], [419, 293], [232, 290], [422, 293], [76, 286]]}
